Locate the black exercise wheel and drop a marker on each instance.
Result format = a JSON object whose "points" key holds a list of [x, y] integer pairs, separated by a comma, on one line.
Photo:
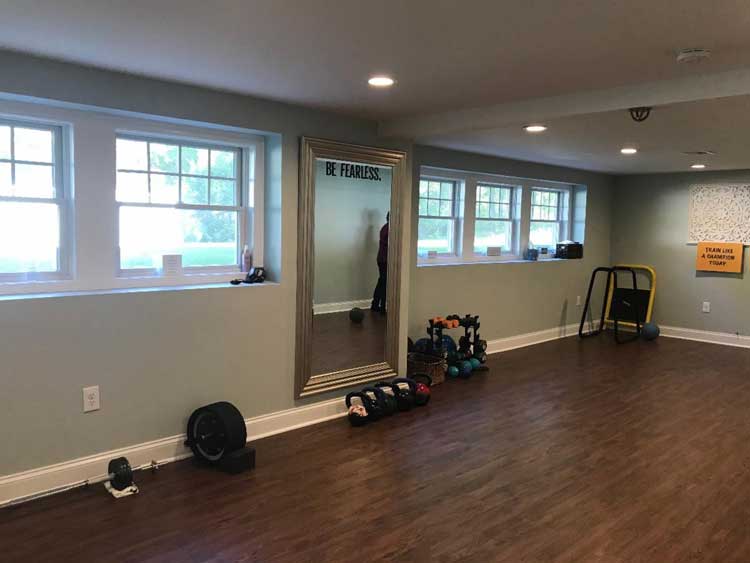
{"points": [[216, 430]]}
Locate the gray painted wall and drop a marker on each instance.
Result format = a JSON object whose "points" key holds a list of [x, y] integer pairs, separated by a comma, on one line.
{"points": [[159, 355], [513, 298], [650, 226], [348, 216]]}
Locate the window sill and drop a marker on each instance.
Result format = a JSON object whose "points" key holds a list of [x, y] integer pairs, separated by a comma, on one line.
{"points": [[459, 262], [30, 294]]}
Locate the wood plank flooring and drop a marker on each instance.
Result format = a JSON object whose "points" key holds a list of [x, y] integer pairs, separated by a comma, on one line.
{"points": [[568, 451], [338, 343]]}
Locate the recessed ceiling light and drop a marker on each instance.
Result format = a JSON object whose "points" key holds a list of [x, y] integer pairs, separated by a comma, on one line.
{"points": [[535, 128], [628, 150], [381, 81], [692, 55], [698, 166]]}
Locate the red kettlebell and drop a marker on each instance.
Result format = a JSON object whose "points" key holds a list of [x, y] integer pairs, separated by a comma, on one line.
{"points": [[422, 391]]}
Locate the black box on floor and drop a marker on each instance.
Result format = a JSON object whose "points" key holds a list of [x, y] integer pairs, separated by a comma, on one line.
{"points": [[239, 460], [569, 250]]}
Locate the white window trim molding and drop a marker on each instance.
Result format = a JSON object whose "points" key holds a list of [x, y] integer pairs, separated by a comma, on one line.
{"points": [[520, 215], [89, 176]]}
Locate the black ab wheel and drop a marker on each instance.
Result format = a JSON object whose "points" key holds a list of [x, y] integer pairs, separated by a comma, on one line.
{"points": [[216, 430]]}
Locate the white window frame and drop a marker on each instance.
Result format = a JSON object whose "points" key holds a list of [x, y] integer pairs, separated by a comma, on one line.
{"points": [[512, 218], [245, 155], [456, 215], [89, 261], [62, 199], [564, 219], [520, 213]]}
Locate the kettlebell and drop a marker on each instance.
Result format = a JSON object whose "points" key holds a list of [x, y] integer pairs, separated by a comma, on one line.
{"points": [[357, 414], [377, 406], [390, 402], [404, 395], [422, 391]]}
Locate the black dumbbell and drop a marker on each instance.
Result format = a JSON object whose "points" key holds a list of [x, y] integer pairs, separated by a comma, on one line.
{"points": [[403, 388], [422, 392], [358, 414], [390, 402]]}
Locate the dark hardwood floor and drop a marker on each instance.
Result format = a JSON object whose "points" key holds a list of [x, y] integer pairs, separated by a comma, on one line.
{"points": [[567, 451], [338, 343]]}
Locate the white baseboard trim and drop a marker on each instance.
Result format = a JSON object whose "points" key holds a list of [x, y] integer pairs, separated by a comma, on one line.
{"points": [[724, 338], [530, 338], [324, 308], [16, 487]]}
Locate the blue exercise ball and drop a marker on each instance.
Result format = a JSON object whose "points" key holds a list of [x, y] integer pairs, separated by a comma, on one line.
{"points": [[650, 331]]}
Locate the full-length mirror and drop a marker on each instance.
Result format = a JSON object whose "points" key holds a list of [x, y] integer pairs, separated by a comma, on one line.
{"points": [[349, 242]]}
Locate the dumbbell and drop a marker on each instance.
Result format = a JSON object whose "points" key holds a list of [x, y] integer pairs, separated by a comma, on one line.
{"points": [[422, 392]]}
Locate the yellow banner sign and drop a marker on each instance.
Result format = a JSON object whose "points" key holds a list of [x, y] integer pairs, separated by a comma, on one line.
{"points": [[719, 257]]}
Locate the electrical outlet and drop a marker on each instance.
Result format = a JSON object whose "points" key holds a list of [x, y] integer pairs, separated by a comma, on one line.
{"points": [[578, 301], [91, 398], [706, 306]]}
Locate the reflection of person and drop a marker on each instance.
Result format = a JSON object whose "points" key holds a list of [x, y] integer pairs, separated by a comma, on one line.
{"points": [[378, 297]]}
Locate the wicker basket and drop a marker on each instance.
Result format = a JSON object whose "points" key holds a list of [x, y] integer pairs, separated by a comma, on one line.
{"points": [[423, 363]]}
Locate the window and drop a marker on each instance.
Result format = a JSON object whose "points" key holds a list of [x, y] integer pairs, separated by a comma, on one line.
{"points": [[32, 202], [494, 225], [546, 221], [179, 198], [469, 217], [437, 217]]}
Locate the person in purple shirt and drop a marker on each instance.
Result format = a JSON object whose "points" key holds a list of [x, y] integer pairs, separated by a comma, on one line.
{"points": [[378, 297]]}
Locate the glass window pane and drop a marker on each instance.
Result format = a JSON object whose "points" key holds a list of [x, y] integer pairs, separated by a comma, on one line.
{"points": [[5, 142], [492, 233], [202, 237], [164, 158], [536, 198], [482, 193], [535, 212], [423, 188], [423, 207], [483, 210], [544, 234], [435, 234], [504, 210], [132, 187], [494, 210], [505, 195], [29, 237], [222, 164], [222, 192], [494, 195], [195, 161], [446, 209], [446, 190], [32, 144], [132, 155], [34, 180], [164, 188], [6, 181], [433, 207], [195, 190], [434, 190]]}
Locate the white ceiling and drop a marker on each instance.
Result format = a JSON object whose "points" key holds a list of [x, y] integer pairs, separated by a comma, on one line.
{"points": [[593, 141], [447, 56]]}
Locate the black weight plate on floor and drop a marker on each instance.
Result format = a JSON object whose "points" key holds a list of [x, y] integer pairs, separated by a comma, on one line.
{"points": [[215, 430], [122, 473]]}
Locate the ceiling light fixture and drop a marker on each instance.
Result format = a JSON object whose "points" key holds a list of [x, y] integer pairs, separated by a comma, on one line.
{"points": [[535, 128], [628, 150], [697, 166], [381, 81], [692, 55]]}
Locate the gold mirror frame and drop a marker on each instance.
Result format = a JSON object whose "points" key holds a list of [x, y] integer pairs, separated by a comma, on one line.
{"points": [[306, 383]]}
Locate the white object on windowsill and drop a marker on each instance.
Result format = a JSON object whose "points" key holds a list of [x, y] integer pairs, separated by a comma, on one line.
{"points": [[171, 265]]}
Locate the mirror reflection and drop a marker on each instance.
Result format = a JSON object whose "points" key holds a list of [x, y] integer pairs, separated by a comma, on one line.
{"points": [[352, 212]]}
